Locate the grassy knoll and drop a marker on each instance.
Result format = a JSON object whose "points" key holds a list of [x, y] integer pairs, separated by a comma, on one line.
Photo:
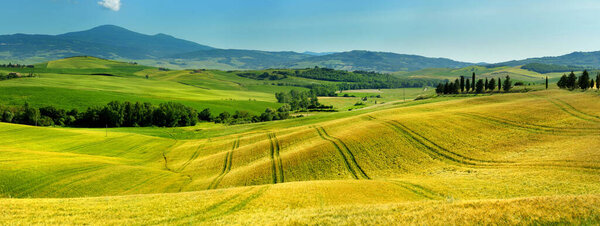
{"points": [[500, 159]]}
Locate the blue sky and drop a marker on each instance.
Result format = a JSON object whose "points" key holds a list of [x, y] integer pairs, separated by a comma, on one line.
{"points": [[466, 30]]}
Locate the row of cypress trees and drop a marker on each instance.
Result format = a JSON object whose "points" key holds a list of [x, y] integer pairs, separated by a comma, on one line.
{"points": [[461, 85], [583, 82]]}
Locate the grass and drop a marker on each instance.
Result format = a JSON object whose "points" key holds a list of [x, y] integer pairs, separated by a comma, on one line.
{"points": [[519, 158], [516, 73]]}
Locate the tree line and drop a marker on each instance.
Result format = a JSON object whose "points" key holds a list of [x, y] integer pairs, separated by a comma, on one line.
{"points": [[10, 65], [462, 85], [362, 79], [128, 114], [346, 80], [583, 82], [14, 75], [302, 101]]}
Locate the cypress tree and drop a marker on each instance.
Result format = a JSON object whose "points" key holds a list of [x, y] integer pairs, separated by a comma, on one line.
{"points": [[571, 81], [486, 84], [592, 84], [468, 85], [456, 86], [462, 84], [546, 82], [598, 79], [507, 84], [562, 82], [446, 88], [479, 86], [492, 84], [439, 89], [584, 80], [473, 82], [499, 84]]}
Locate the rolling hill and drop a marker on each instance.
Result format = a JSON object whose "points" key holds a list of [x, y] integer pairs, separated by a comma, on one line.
{"points": [[521, 158]]}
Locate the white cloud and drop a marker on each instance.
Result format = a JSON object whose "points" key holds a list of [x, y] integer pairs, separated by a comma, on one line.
{"points": [[113, 5]]}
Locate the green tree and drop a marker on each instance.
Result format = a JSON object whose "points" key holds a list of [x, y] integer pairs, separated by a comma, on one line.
{"points": [[562, 82], [468, 85], [492, 84], [473, 81], [486, 84], [456, 88], [598, 81], [507, 84], [584, 80], [571, 81], [499, 84], [439, 89], [29, 115], [224, 117], [462, 84], [546, 82], [205, 115], [479, 86], [7, 116]]}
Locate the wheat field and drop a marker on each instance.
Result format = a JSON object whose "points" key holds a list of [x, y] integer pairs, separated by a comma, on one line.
{"points": [[527, 158]]}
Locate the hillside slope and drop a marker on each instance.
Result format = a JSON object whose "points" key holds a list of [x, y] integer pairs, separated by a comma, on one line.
{"points": [[376, 61], [581, 59], [382, 160]]}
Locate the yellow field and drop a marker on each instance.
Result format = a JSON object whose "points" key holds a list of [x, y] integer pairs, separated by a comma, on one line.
{"points": [[499, 159]]}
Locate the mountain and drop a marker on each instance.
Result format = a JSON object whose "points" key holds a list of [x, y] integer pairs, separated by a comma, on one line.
{"points": [[113, 42], [22, 46], [159, 45], [106, 41], [376, 61], [579, 59]]}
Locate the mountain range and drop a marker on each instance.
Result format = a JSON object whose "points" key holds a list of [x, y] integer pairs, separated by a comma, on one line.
{"points": [[113, 42]]}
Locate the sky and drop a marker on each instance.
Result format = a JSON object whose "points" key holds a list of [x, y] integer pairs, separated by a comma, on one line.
{"points": [[465, 30]]}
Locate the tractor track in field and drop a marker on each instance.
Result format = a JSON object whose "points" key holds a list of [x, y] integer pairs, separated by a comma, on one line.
{"points": [[438, 151], [192, 158], [532, 128], [569, 109], [435, 151], [62, 175], [349, 159], [227, 206], [226, 166], [276, 163], [417, 189]]}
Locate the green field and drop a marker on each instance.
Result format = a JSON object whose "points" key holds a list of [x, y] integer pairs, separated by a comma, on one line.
{"points": [[518, 158], [516, 73]]}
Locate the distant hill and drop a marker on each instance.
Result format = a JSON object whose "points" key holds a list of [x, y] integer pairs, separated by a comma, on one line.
{"points": [[376, 61], [113, 42], [318, 53], [154, 46], [580, 59], [243, 59]]}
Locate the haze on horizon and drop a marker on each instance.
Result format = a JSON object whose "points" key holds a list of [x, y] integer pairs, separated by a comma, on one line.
{"points": [[464, 30]]}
